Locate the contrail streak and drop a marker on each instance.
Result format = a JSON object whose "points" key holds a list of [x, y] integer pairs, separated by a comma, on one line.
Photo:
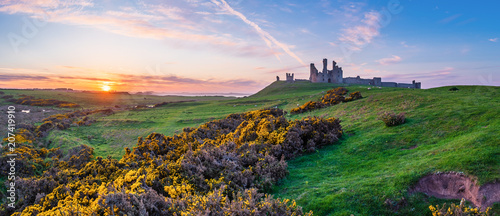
{"points": [[270, 40]]}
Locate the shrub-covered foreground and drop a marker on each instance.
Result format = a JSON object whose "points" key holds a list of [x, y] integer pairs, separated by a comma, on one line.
{"points": [[220, 168]]}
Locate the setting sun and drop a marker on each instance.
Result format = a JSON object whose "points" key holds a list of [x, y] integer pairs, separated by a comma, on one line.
{"points": [[106, 88]]}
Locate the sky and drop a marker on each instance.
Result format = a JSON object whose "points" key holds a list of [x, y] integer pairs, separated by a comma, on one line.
{"points": [[240, 46]]}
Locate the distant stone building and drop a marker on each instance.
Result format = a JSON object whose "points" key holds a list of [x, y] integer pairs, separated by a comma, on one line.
{"points": [[336, 76], [289, 78], [326, 76]]}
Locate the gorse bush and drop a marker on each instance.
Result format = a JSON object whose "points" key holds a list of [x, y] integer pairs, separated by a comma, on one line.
{"points": [[34, 161], [460, 210], [29, 161], [453, 89], [222, 167], [308, 106], [62, 122], [354, 96], [68, 105], [332, 97], [392, 119], [31, 101]]}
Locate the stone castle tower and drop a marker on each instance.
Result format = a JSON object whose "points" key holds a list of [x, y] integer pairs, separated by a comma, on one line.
{"points": [[289, 78], [326, 76]]}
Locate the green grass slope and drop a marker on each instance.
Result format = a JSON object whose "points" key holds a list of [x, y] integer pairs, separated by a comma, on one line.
{"points": [[370, 171]]}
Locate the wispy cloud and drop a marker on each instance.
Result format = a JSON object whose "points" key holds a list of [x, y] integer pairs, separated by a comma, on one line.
{"points": [[467, 21], [349, 11], [364, 33], [446, 72], [270, 41], [146, 21], [83, 78], [392, 60], [450, 18], [493, 39], [286, 9], [306, 31], [404, 44], [18, 77], [355, 67], [285, 69]]}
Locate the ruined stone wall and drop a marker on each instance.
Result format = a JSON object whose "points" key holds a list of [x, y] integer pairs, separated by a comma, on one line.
{"points": [[405, 85], [357, 80], [322, 77], [418, 85], [313, 73], [336, 75], [389, 84]]}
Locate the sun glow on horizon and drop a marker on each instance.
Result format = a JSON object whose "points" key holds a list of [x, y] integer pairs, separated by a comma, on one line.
{"points": [[106, 88]]}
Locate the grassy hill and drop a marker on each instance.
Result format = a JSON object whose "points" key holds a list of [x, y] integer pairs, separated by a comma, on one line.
{"points": [[367, 173], [374, 165]]}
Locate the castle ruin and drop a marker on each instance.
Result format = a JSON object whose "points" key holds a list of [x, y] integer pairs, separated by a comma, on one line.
{"points": [[336, 76], [326, 76], [289, 78]]}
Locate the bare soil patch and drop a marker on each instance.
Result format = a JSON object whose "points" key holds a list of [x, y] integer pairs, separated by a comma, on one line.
{"points": [[458, 186]]}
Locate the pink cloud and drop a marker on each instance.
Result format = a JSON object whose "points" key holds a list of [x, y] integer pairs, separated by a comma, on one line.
{"points": [[285, 69], [392, 60], [444, 71], [363, 34], [151, 21], [441, 73]]}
